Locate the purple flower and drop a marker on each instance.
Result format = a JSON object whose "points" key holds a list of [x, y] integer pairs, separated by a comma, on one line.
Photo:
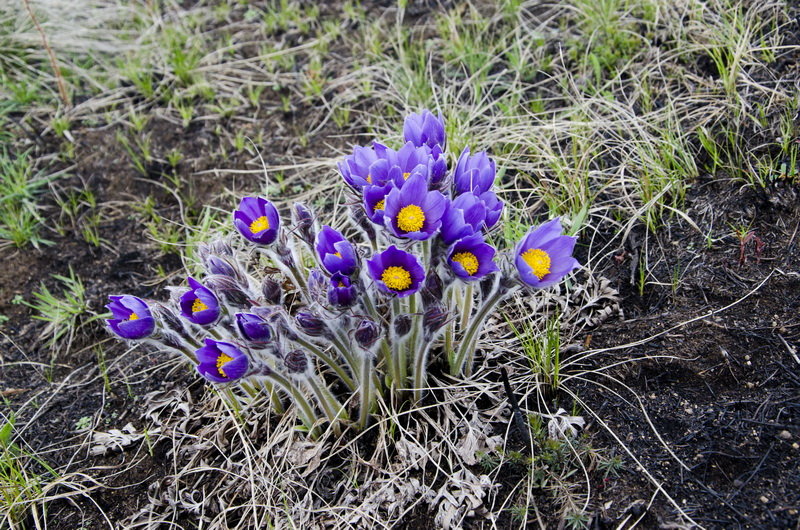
{"points": [[424, 129], [341, 291], [412, 211], [494, 207], [464, 216], [131, 317], [253, 327], [257, 220], [310, 323], [367, 165], [396, 271], [335, 252], [221, 362], [544, 256], [474, 173], [199, 305], [375, 201], [471, 258], [409, 161], [367, 333]]}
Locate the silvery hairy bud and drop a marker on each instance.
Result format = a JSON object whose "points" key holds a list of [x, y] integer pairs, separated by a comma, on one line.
{"points": [[435, 318], [272, 292], [303, 223], [296, 362], [367, 333], [402, 325], [432, 291], [228, 289], [310, 323]]}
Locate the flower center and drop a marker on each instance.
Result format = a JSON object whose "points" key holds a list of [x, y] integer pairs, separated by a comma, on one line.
{"points": [[222, 360], [396, 278], [406, 175], [379, 205], [198, 306], [411, 218], [468, 261], [337, 254], [259, 225], [538, 260], [133, 316], [369, 179], [341, 284]]}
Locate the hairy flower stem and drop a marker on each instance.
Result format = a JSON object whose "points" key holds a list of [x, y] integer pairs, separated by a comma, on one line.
{"points": [[329, 361], [397, 357], [333, 409], [466, 307], [466, 349], [421, 370], [367, 394], [412, 348], [292, 271], [274, 396], [306, 413]]}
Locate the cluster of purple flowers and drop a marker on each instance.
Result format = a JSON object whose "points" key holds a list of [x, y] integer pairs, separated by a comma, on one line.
{"points": [[380, 304]]}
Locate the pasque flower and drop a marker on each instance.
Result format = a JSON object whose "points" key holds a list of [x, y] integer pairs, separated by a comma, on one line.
{"points": [[257, 220], [221, 362], [253, 328], [412, 211], [335, 252], [396, 271], [544, 256], [199, 305], [375, 201], [471, 258], [464, 216], [131, 317], [474, 173], [341, 291], [424, 129]]}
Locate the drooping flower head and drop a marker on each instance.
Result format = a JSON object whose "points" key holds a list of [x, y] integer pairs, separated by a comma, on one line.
{"points": [[199, 305], [221, 362], [424, 129], [474, 173], [253, 328], [341, 291], [335, 252], [412, 211], [464, 216], [257, 220], [471, 258], [396, 271], [544, 256], [130, 317]]}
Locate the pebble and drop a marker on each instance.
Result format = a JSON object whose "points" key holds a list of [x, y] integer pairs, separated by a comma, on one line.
{"points": [[764, 499], [785, 435]]}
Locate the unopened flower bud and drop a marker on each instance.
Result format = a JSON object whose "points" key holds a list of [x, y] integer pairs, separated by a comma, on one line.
{"points": [[367, 333], [310, 323], [253, 328], [363, 222], [402, 325], [303, 223], [296, 362], [432, 291], [317, 286], [435, 318], [228, 289], [217, 265], [271, 290]]}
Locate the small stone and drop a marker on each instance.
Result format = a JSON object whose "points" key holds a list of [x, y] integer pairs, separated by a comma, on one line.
{"points": [[785, 435], [750, 385], [795, 446], [746, 357], [689, 410], [764, 499]]}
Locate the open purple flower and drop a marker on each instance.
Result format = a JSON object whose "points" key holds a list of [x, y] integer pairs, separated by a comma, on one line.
{"points": [[375, 201], [412, 211], [257, 220], [199, 304], [472, 258], [464, 216], [335, 252], [131, 317], [474, 173], [221, 362], [424, 129], [341, 291], [411, 160], [253, 328], [357, 169], [544, 256], [396, 271]]}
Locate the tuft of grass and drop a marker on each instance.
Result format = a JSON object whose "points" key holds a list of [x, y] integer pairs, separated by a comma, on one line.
{"points": [[20, 187], [542, 348]]}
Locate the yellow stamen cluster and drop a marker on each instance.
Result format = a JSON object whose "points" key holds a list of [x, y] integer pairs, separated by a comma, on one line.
{"points": [[222, 360], [379, 205], [406, 175], [538, 260], [369, 179], [259, 225], [337, 254], [468, 260], [133, 316], [198, 306], [396, 278], [410, 218]]}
